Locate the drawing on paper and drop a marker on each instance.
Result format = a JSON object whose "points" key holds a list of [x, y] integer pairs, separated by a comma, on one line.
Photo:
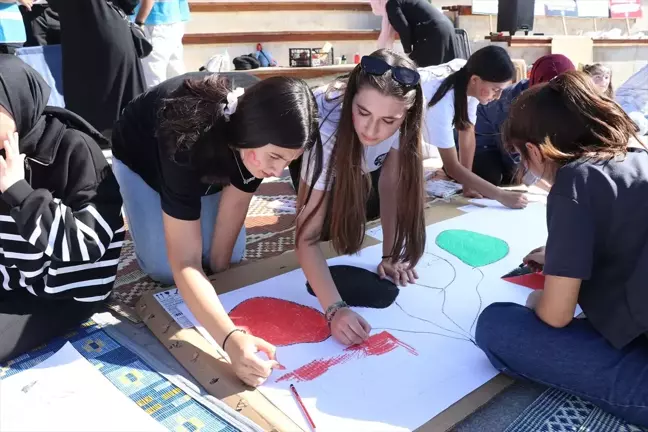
{"points": [[474, 249], [376, 345], [359, 287], [471, 248], [274, 319]]}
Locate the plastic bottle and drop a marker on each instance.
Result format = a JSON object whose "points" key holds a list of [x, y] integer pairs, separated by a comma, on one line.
{"points": [[356, 58]]}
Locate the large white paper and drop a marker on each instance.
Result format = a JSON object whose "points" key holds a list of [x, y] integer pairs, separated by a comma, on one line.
{"points": [[66, 393], [400, 391]]}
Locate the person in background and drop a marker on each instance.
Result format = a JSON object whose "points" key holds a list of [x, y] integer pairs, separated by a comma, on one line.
{"points": [[427, 35], [101, 69], [12, 29], [602, 77], [492, 162], [61, 225], [367, 171], [596, 254], [189, 154], [164, 23], [452, 105], [387, 35], [42, 24]]}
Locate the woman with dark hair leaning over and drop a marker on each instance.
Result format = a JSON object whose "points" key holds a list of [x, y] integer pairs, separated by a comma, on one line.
{"points": [[368, 170], [189, 154], [596, 254]]}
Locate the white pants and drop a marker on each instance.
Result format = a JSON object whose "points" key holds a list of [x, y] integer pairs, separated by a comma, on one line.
{"points": [[165, 61]]}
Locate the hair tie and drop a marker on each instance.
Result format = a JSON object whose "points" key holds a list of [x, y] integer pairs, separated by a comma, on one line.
{"points": [[229, 107]]}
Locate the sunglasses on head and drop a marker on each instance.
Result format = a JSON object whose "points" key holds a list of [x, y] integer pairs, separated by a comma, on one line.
{"points": [[402, 75]]}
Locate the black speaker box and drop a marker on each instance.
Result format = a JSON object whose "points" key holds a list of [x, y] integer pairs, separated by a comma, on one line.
{"points": [[514, 15]]}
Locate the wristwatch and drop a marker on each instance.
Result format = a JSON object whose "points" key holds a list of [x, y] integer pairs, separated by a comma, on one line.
{"points": [[139, 23]]}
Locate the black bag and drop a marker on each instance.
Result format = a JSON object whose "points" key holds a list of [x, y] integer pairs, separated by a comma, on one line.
{"points": [[142, 45]]}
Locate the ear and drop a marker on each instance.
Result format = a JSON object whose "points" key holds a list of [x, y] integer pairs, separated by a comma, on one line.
{"points": [[535, 155]]}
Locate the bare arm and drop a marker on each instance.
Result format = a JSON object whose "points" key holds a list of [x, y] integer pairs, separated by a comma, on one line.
{"points": [[467, 145], [556, 304], [184, 246], [232, 210], [310, 256], [388, 189], [144, 10], [346, 326]]}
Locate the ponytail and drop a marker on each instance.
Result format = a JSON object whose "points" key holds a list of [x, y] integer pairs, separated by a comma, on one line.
{"points": [[457, 81], [191, 121]]}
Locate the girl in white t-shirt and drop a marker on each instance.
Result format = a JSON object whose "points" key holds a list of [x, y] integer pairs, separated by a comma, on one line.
{"points": [[453, 102], [357, 116]]}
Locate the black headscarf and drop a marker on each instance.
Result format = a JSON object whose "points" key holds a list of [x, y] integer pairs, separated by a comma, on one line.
{"points": [[24, 94]]}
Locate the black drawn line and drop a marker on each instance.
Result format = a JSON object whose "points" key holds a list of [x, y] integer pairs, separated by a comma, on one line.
{"points": [[425, 332]]}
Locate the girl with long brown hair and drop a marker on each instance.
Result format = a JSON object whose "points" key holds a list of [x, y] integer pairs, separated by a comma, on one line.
{"points": [[358, 120], [596, 254]]}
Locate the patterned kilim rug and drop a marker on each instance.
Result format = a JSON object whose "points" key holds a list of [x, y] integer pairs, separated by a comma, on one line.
{"points": [[270, 228], [167, 404], [556, 411]]}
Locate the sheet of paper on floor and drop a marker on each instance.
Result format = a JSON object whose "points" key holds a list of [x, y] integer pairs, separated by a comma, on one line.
{"points": [[404, 388], [469, 208], [66, 393]]}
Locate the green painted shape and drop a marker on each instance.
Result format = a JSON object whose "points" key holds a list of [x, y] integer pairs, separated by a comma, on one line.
{"points": [[472, 248]]}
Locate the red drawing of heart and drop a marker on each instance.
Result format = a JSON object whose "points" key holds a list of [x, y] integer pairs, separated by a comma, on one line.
{"points": [[281, 322]]}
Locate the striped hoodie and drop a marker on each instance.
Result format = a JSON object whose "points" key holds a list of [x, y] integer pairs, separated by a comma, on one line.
{"points": [[61, 228]]}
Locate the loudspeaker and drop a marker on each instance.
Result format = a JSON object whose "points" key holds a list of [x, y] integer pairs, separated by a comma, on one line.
{"points": [[514, 15]]}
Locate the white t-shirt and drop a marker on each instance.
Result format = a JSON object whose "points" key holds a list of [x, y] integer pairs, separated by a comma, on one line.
{"points": [[437, 123], [329, 112]]}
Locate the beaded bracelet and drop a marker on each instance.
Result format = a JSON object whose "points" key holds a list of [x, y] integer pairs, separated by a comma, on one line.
{"points": [[230, 334], [333, 309]]}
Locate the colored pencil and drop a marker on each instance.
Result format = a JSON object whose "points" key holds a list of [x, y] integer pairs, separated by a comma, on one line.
{"points": [[303, 407]]}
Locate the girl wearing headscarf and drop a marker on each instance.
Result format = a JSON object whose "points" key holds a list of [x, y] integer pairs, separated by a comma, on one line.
{"points": [[61, 228], [492, 162]]}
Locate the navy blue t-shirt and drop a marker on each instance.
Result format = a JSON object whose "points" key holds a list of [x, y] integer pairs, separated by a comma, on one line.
{"points": [[597, 218]]}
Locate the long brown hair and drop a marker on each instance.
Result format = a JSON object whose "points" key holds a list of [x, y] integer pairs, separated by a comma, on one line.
{"points": [[491, 63], [350, 186], [568, 119]]}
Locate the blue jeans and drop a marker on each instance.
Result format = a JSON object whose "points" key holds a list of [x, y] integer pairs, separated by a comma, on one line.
{"points": [[575, 359], [144, 216]]}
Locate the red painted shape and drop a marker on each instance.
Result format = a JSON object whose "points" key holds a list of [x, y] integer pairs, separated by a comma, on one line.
{"points": [[532, 280], [281, 322], [376, 345]]}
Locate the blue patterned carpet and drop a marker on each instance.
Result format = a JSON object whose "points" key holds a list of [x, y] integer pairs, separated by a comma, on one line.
{"points": [[556, 411], [159, 398]]}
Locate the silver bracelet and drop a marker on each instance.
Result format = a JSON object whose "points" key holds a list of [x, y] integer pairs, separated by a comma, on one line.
{"points": [[333, 309]]}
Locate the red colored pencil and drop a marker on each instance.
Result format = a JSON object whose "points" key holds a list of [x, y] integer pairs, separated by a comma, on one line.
{"points": [[303, 407]]}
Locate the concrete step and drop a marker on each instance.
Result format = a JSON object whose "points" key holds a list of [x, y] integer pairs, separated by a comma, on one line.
{"points": [[225, 17]]}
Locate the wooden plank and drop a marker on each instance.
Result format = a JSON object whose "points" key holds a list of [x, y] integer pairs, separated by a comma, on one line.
{"points": [[266, 6], [279, 36]]}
